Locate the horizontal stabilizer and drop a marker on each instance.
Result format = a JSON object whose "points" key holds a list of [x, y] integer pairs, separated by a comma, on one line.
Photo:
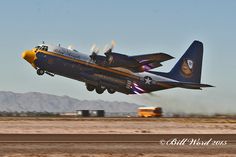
{"points": [[183, 85]]}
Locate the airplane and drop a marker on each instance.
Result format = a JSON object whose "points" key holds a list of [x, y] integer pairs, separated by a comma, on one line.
{"points": [[117, 72]]}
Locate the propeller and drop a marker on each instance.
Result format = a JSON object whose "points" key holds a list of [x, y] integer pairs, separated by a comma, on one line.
{"points": [[94, 52], [108, 49]]}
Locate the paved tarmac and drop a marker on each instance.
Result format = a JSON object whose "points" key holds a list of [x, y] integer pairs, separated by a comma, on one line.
{"points": [[117, 137], [185, 144]]}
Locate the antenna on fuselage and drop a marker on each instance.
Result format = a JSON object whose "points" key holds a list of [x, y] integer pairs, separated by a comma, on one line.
{"points": [[43, 42]]}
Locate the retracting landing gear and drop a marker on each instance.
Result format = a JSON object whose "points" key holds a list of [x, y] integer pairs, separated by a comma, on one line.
{"points": [[90, 87], [40, 72], [100, 90], [50, 74], [111, 91]]}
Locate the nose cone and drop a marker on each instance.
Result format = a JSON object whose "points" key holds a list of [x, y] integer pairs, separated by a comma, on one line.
{"points": [[29, 56]]}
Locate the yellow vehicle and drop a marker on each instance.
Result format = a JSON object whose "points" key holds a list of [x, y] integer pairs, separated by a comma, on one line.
{"points": [[149, 111]]}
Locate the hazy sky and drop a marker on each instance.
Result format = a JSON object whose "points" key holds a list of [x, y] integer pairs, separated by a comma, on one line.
{"points": [[137, 27]]}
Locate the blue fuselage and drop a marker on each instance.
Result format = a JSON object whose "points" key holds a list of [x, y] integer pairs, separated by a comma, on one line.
{"points": [[91, 73]]}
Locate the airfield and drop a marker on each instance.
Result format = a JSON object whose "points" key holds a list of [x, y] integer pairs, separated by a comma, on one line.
{"points": [[129, 125], [119, 137]]}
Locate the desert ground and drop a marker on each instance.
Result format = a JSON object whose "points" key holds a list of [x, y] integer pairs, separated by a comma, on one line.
{"points": [[72, 125]]}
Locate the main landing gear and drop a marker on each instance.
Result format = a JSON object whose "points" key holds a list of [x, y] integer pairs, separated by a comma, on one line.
{"points": [[98, 89], [111, 91], [90, 87]]}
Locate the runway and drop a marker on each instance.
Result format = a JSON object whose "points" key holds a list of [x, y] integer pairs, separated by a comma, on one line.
{"points": [[109, 138], [74, 125], [172, 144], [119, 137]]}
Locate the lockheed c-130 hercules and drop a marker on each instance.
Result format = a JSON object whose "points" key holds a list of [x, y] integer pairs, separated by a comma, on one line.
{"points": [[118, 72]]}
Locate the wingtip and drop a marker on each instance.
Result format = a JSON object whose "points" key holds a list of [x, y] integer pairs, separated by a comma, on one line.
{"points": [[168, 56], [197, 42], [207, 85]]}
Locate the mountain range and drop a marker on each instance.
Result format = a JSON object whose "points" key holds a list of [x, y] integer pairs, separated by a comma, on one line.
{"points": [[40, 102]]}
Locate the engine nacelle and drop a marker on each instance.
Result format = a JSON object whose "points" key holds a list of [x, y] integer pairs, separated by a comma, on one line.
{"points": [[120, 60]]}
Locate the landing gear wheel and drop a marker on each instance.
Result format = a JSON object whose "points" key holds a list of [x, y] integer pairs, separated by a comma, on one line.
{"points": [[90, 87], [111, 91], [40, 71], [100, 90]]}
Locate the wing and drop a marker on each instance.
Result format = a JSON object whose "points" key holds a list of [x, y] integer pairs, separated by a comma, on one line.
{"points": [[150, 61], [138, 63]]}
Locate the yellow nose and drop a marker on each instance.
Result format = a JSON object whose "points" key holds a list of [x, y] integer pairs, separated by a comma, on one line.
{"points": [[29, 56]]}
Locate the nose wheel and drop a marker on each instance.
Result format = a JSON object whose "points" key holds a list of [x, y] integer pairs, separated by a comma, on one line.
{"points": [[40, 71]]}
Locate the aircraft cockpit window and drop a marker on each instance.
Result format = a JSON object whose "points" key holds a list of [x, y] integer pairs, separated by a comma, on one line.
{"points": [[44, 48]]}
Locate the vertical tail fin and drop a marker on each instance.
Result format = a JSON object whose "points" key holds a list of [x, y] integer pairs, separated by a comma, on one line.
{"points": [[189, 66], [187, 71]]}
